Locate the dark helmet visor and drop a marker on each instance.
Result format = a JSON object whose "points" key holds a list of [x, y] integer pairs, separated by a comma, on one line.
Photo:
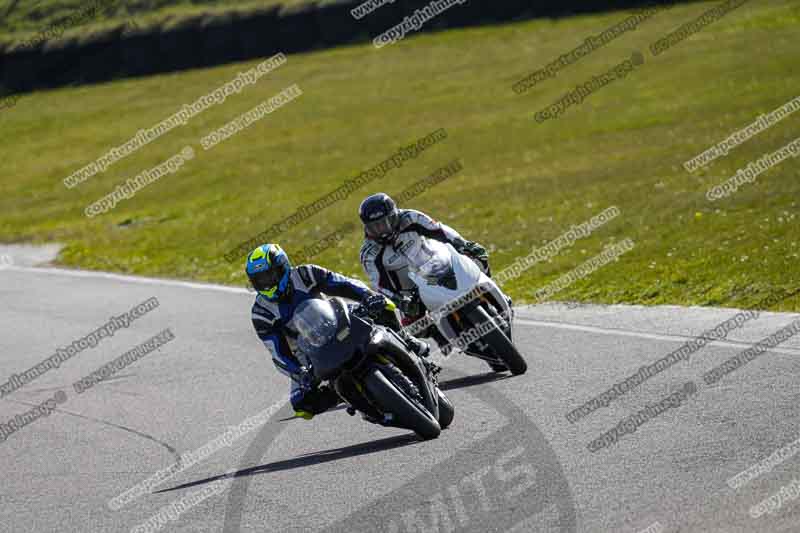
{"points": [[267, 279], [381, 228]]}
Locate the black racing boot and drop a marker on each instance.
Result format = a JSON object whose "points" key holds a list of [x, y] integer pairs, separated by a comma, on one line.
{"points": [[356, 402]]}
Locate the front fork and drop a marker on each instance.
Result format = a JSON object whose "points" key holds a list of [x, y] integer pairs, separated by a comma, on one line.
{"points": [[460, 322]]}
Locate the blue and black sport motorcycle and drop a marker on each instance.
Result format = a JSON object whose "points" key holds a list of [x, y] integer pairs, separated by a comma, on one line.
{"points": [[371, 368]]}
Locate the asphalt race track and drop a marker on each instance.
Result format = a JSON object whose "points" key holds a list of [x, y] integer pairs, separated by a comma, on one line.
{"points": [[510, 462]]}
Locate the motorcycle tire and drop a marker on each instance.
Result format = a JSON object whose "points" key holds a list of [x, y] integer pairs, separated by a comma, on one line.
{"points": [[392, 400]]}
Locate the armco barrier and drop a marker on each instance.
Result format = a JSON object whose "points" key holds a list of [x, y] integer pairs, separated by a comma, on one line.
{"points": [[140, 53], [180, 44], [100, 57], [220, 45], [21, 67], [207, 40], [298, 27], [258, 33], [336, 25]]}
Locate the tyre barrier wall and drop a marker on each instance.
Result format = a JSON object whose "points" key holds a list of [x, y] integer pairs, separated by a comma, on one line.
{"points": [[207, 40]]}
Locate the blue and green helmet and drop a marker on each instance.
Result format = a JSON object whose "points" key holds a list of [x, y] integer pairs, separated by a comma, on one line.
{"points": [[268, 268]]}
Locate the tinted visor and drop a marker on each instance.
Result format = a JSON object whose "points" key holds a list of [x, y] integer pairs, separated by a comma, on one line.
{"points": [[267, 279], [383, 227]]}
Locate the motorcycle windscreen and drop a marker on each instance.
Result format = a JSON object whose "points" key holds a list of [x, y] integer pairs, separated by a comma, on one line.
{"points": [[315, 322], [433, 263], [337, 355]]}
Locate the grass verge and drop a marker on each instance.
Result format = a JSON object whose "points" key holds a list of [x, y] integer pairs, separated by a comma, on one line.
{"points": [[523, 183]]}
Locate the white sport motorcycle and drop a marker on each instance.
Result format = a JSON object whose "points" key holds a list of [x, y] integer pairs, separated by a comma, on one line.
{"points": [[466, 305]]}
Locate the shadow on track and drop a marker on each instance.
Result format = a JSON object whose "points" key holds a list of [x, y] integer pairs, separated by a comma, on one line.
{"points": [[310, 459], [471, 381], [546, 505]]}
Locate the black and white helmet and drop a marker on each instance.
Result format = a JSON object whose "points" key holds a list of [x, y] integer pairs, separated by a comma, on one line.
{"points": [[380, 216]]}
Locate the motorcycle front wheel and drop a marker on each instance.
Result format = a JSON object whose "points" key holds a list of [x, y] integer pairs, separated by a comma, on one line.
{"points": [[500, 343], [446, 410], [405, 411]]}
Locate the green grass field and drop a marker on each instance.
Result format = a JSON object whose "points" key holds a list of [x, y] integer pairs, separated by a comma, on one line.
{"points": [[523, 183], [22, 19]]}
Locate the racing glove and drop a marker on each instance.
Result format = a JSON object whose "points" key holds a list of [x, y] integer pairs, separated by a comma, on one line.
{"points": [[376, 304], [305, 381], [476, 252]]}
